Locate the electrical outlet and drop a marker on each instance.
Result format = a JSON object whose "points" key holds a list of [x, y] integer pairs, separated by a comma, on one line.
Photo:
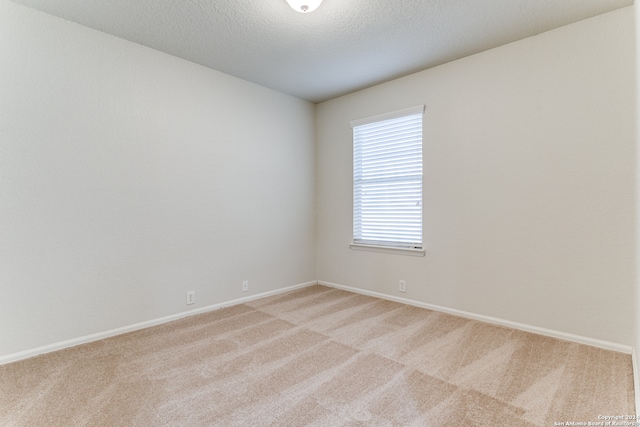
{"points": [[191, 297], [402, 286], [245, 285]]}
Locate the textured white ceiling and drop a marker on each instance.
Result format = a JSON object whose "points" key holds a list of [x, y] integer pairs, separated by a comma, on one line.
{"points": [[343, 46]]}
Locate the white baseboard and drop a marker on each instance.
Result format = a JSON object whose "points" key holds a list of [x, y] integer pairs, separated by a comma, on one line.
{"points": [[14, 357], [487, 319], [493, 320]]}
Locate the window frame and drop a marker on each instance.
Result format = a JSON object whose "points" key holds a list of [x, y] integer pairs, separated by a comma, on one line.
{"points": [[395, 247]]}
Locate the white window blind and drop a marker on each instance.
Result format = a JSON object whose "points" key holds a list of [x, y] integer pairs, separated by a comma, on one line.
{"points": [[387, 179]]}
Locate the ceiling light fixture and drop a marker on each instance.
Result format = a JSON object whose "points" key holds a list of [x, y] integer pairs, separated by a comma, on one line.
{"points": [[304, 6]]}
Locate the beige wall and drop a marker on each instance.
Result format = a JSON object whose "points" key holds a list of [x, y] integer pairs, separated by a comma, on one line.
{"points": [[528, 183], [129, 177]]}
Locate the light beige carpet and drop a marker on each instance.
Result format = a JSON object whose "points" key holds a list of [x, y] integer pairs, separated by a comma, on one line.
{"points": [[319, 357]]}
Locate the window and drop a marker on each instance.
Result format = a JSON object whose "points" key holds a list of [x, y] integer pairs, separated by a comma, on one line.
{"points": [[387, 180]]}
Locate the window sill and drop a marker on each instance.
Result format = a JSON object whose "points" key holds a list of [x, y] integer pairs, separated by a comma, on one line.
{"points": [[387, 249]]}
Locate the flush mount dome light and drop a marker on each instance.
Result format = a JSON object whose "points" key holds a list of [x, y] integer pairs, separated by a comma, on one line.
{"points": [[304, 6]]}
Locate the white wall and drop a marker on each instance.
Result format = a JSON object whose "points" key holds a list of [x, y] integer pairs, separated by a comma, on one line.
{"points": [[128, 177], [528, 183]]}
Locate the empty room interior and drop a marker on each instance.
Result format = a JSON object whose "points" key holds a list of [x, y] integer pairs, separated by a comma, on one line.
{"points": [[181, 226]]}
